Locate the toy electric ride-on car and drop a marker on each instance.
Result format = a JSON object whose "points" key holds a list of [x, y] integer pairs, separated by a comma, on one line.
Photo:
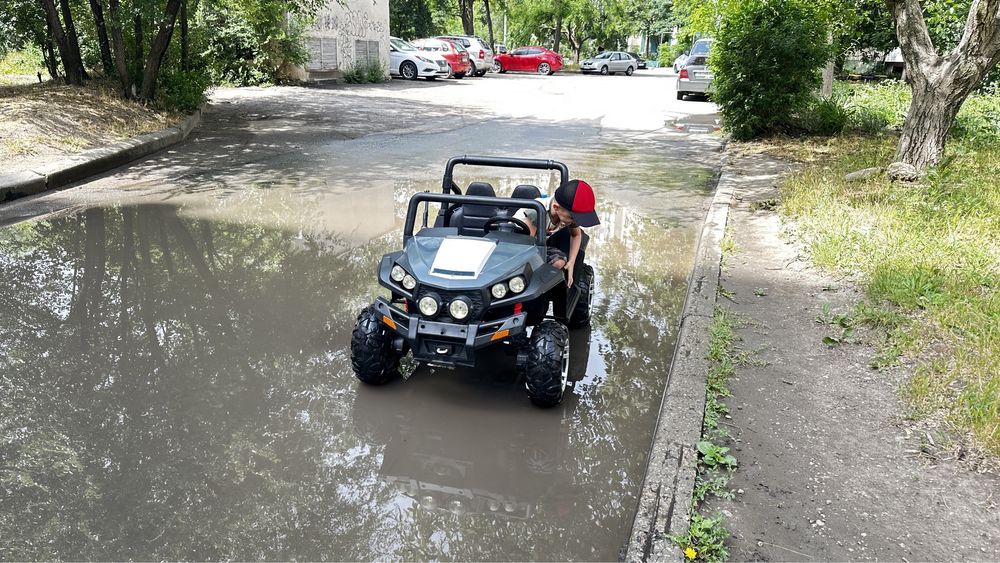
{"points": [[476, 278]]}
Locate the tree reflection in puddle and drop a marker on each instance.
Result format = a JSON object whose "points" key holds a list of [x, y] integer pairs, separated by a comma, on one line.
{"points": [[180, 388]]}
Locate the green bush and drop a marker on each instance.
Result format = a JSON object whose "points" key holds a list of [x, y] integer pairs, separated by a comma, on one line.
{"points": [[182, 91], [668, 53], [766, 61], [365, 72]]}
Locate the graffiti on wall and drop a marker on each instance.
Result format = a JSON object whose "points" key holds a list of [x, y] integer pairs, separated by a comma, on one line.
{"points": [[347, 24]]}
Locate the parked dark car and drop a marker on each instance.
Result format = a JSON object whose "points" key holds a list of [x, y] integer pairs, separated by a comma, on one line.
{"points": [[639, 61]]}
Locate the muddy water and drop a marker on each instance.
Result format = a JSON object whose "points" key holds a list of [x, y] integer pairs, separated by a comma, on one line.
{"points": [[175, 383]]}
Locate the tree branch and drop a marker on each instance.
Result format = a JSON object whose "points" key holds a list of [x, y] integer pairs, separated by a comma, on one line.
{"points": [[914, 40], [980, 43]]}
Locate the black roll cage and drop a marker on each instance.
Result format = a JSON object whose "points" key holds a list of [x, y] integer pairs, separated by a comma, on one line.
{"points": [[448, 185], [428, 197]]}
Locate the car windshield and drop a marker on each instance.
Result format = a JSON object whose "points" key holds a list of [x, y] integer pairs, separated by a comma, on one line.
{"points": [[701, 48], [461, 41], [400, 45], [604, 55]]}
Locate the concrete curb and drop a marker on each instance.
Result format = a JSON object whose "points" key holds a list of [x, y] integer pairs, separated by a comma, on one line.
{"points": [[665, 498], [94, 161]]}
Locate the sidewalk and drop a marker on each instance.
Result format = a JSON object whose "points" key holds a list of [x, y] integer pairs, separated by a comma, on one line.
{"points": [[828, 469]]}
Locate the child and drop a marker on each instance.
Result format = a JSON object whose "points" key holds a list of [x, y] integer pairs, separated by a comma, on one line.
{"points": [[569, 209]]}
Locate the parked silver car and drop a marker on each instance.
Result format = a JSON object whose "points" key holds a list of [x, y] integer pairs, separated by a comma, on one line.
{"points": [[695, 77], [480, 53], [609, 62]]}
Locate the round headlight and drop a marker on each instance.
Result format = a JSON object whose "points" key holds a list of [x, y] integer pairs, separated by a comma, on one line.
{"points": [[516, 284], [428, 306], [397, 273], [409, 282], [459, 309], [499, 290]]}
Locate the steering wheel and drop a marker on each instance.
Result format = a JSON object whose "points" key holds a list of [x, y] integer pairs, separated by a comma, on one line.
{"points": [[506, 224]]}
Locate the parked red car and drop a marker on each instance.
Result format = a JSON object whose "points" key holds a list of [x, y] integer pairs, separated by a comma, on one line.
{"points": [[528, 59], [457, 57]]}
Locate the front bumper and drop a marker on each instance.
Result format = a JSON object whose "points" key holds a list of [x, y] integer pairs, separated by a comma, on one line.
{"points": [[425, 70], [450, 344]]}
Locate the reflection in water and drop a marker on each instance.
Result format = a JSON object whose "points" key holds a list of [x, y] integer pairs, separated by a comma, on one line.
{"points": [[173, 387]]}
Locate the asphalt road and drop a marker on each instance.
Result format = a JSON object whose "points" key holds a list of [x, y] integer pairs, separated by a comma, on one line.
{"points": [[174, 335]]}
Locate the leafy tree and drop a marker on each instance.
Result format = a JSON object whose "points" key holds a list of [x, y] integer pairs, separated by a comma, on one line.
{"points": [[410, 19]]}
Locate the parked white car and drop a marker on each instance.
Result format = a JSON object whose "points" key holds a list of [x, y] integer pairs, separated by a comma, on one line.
{"points": [[408, 62], [479, 52]]}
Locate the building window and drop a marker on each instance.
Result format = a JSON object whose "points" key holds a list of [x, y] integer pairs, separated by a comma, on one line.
{"points": [[366, 51], [322, 54]]}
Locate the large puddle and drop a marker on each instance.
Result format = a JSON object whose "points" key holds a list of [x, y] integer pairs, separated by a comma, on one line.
{"points": [[175, 383]]}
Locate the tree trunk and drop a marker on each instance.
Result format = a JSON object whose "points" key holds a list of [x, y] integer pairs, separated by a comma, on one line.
{"points": [[826, 90], [118, 45], [102, 35], [49, 55], [184, 35], [468, 24], [73, 39], [140, 40], [158, 49], [489, 24], [73, 75], [941, 84], [557, 34]]}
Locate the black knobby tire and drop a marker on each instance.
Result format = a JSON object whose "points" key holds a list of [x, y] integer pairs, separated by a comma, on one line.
{"points": [[547, 365], [584, 281], [372, 357]]}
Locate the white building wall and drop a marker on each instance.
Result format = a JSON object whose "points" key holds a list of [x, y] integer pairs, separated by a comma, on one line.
{"points": [[345, 34]]}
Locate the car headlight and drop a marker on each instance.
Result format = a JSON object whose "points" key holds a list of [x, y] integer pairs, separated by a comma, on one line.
{"points": [[426, 60], [458, 309], [428, 306], [397, 273], [516, 284], [499, 290], [409, 282]]}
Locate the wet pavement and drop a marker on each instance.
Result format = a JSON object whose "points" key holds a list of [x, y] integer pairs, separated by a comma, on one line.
{"points": [[175, 376]]}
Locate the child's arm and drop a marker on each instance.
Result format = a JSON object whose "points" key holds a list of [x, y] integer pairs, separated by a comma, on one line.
{"points": [[575, 239]]}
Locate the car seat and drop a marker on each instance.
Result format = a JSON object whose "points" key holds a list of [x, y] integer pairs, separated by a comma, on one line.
{"points": [[526, 191], [469, 218]]}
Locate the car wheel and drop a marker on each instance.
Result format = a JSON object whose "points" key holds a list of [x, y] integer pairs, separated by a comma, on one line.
{"points": [[372, 357], [604, 70], [584, 282], [629, 71], [481, 73], [547, 366], [680, 95], [408, 70], [497, 67], [544, 68]]}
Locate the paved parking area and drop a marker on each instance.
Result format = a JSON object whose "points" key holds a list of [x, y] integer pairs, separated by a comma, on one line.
{"points": [[176, 334]]}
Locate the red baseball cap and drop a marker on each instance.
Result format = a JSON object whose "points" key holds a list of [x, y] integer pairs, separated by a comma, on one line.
{"points": [[577, 197]]}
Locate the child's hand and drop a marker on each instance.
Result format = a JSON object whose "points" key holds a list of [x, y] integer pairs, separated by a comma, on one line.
{"points": [[569, 276], [558, 263]]}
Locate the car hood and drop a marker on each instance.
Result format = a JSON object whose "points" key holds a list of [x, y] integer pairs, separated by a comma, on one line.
{"points": [[460, 262]]}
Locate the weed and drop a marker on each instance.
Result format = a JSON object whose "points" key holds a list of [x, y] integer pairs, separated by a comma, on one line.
{"points": [[705, 539], [713, 484], [715, 456], [760, 292], [365, 72], [729, 245]]}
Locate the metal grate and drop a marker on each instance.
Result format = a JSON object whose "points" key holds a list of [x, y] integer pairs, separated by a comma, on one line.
{"points": [[366, 51]]}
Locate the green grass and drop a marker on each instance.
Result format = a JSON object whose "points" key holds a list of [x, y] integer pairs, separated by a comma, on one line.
{"points": [[28, 61], [928, 257], [705, 537]]}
